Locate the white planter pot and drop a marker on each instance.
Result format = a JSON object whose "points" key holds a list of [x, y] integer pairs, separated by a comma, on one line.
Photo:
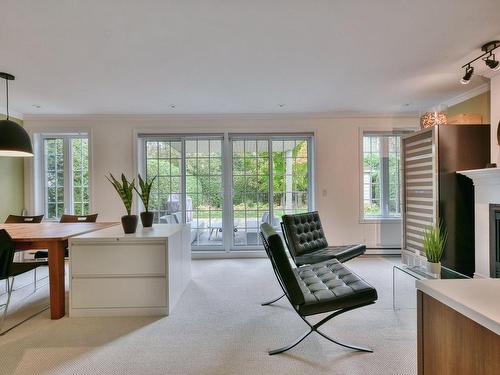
{"points": [[434, 268]]}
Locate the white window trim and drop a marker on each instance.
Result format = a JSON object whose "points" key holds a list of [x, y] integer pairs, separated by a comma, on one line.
{"points": [[35, 201], [361, 132]]}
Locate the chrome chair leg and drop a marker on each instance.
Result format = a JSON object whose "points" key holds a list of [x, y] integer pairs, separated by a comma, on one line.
{"points": [[314, 328], [267, 303], [6, 305], [34, 282]]}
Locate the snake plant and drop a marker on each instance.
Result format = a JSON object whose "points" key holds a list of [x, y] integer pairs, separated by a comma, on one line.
{"points": [[145, 191], [125, 189]]}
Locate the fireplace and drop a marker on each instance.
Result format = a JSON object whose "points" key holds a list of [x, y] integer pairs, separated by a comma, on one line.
{"points": [[486, 200], [495, 240]]}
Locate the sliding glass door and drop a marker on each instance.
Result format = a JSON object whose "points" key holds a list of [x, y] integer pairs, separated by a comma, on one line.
{"points": [[250, 185], [271, 177], [226, 186], [188, 185]]}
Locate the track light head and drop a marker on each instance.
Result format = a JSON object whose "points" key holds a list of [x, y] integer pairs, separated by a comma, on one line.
{"points": [[468, 74], [492, 63]]}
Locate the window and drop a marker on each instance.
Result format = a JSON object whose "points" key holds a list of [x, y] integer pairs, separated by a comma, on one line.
{"points": [[188, 185], [381, 175], [234, 181], [65, 175]]}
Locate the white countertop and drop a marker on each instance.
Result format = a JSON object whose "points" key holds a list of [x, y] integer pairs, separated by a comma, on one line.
{"points": [[115, 233], [478, 299]]}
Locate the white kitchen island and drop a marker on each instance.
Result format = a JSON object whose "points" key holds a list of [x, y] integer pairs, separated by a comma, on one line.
{"points": [[117, 274]]}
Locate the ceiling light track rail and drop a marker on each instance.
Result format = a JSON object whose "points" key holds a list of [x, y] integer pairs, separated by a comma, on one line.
{"points": [[488, 57]]}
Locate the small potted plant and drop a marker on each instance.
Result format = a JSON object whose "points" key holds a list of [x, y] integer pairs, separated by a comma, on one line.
{"points": [[435, 237], [126, 191], [146, 216]]}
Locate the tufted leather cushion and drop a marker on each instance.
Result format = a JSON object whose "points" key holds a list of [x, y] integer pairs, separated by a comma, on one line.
{"points": [[307, 242], [329, 286], [317, 288], [341, 253], [304, 233]]}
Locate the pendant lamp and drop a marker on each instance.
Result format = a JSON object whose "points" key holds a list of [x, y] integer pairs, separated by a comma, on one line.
{"points": [[14, 140]]}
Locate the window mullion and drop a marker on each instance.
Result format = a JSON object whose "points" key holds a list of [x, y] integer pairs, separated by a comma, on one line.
{"points": [[68, 175], [384, 173], [271, 180], [227, 183], [183, 187]]}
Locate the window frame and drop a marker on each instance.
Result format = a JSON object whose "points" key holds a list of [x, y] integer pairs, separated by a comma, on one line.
{"points": [[269, 137], [141, 161], [227, 177], [366, 132], [68, 170]]}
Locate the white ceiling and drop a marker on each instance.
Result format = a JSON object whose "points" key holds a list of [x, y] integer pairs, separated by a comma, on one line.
{"points": [[239, 56]]}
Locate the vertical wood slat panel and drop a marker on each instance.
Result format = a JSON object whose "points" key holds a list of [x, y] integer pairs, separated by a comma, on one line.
{"points": [[418, 160]]}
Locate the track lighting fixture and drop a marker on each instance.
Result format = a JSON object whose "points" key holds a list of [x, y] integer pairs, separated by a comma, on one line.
{"points": [[468, 74], [489, 60]]}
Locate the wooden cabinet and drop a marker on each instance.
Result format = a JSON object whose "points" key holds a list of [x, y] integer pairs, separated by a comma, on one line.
{"points": [[458, 326], [433, 192]]}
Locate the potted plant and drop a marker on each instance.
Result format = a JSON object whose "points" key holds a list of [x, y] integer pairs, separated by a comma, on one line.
{"points": [[435, 237], [146, 216], [126, 191]]}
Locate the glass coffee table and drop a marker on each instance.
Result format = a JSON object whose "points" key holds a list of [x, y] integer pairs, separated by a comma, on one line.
{"points": [[421, 273]]}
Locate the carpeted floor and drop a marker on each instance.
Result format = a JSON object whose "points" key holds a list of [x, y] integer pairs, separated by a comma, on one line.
{"points": [[219, 327]]}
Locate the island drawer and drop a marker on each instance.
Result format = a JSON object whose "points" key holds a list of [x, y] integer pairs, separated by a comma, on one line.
{"points": [[118, 259], [118, 292]]}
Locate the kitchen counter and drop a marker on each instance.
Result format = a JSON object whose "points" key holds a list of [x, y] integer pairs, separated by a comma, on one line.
{"points": [[477, 299], [458, 326]]}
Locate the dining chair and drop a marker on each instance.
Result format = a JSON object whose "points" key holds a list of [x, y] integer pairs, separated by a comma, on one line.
{"points": [[8, 271], [21, 219], [78, 218], [92, 218], [26, 219]]}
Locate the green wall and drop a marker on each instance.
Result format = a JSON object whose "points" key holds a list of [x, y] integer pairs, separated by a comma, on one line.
{"points": [[11, 184], [478, 104]]}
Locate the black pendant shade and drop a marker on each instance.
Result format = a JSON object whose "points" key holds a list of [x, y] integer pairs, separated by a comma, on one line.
{"points": [[14, 140]]}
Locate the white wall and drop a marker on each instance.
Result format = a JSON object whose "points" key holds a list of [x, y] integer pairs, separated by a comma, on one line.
{"points": [[337, 161]]}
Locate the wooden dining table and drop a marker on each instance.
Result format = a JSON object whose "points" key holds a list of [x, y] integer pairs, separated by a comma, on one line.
{"points": [[53, 237]]}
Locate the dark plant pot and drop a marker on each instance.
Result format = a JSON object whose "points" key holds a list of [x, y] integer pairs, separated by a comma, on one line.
{"points": [[147, 219], [129, 223]]}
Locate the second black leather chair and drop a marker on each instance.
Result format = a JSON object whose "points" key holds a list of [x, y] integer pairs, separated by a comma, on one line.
{"points": [[307, 243]]}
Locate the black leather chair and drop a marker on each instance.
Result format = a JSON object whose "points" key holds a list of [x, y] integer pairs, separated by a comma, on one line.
{"points": [[44, 254], [9, 270], [314, 289], [307, 243], [26, 219]]}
